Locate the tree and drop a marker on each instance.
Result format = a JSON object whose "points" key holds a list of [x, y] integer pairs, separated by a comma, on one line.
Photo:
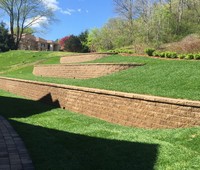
{"points": [[73, 44], [6, 41], [83, 37], [126, 9], [24, 14], [26, 31], [62, 42]]}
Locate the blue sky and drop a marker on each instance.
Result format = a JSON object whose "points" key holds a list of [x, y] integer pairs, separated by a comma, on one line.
{"points": [[76, 16]]}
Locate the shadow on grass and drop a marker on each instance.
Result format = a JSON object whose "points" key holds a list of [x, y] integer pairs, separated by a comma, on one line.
{"points": [[22, 108], [54, 149]]}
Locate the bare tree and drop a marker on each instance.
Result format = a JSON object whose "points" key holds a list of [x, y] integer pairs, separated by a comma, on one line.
{"points": [[124, 8], [24, 14]]}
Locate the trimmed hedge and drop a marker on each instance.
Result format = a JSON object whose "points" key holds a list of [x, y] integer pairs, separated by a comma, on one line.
{"points": [[168, 54]]}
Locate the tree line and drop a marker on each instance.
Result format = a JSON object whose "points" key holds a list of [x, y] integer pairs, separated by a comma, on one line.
{"points": [[150, 22]]}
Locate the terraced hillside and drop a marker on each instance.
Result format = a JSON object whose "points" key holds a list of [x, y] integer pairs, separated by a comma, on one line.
{"points": [[60, 139]]}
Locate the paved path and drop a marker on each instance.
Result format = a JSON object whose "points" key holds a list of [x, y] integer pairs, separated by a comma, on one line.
{"points": [[13, 154]]}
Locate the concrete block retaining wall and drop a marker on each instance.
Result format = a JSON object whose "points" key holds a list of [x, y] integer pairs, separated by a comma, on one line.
{"points": [[79, 71], [116, 107]]}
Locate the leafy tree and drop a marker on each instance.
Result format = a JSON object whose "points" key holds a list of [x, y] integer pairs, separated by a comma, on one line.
{"points": [[62, 42], [6, 41], [73, 44], [84, 39], [24, 14]]}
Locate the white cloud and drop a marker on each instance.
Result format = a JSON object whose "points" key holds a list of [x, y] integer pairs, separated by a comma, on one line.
{"points": [[52, 4], [70, 11], [37, 21], [67, 11]]}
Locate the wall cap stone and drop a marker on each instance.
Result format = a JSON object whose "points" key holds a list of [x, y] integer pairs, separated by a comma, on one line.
{"points": [[80, 54], [92, 64]]}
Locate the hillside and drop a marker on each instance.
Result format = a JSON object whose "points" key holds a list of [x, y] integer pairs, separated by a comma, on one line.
{"points": [[189, 44], [168, 78], [57, 138]]}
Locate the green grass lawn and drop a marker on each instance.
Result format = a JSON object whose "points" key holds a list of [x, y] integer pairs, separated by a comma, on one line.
{"points": [[59, 139], [14, 60], [168, 78]]}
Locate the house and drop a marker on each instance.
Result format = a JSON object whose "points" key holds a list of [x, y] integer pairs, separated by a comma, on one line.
{"points": [[30, 42]]}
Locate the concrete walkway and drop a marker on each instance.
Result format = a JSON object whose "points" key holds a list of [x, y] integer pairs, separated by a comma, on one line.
{"points": [[13, 154]]}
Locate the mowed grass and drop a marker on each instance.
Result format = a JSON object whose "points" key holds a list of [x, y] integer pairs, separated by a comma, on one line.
{"points": [[14, 60], [168, 78], [59, 139]]}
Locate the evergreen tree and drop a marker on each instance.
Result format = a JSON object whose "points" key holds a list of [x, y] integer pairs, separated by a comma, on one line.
{"points": [[84, 39], [73, 44], [6, 42]]}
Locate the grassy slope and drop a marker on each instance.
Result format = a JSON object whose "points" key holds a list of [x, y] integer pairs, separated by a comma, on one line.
{"points": [[169, 78], [59, 139], [13, 60]]}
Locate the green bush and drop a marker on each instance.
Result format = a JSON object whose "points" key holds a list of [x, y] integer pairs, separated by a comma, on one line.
{"points": [[181, 56], [197, 56], [162, 54], [167, 54], [156, 53], [121, 51], [149, 51], [189, 56], [130, 51], [173, 55]]}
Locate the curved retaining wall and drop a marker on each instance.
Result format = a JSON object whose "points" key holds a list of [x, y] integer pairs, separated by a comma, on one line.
{"points": [[122, 108], [79, 71], [83, 57]]}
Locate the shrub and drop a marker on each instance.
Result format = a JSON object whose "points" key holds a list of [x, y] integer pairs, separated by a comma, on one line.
{"points": [[149, 51], [156, 54], [130, 51], [167, 54], [173, 55], [189, 56], [121, 51], [162, 54], [181, 56], [197, 56]]}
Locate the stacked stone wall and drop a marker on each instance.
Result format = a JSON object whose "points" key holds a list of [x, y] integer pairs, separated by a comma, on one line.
{"points": [[122, 108], [79, 71]]}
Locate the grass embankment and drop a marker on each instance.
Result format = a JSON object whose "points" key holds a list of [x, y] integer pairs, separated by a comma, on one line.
{"points": [[59, 139], [168, 78], [14, 60]]}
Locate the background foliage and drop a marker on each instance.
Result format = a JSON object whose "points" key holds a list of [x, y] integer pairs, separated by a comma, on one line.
{"points": [[147, 23]]}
